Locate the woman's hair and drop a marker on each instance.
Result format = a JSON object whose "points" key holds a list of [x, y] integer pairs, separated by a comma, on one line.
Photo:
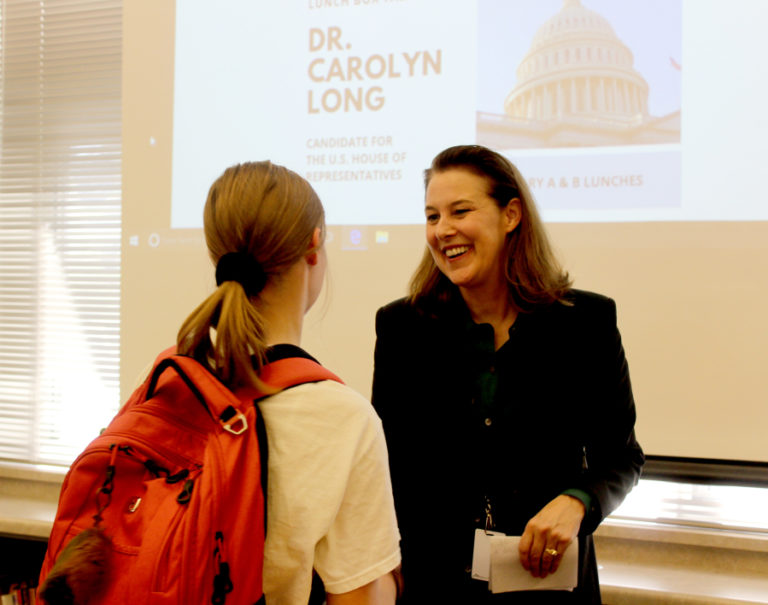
{"points": [[263, 217], [533, 274]]}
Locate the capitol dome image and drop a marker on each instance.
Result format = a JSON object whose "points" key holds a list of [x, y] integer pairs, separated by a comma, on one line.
{"points": [[576, 86]]}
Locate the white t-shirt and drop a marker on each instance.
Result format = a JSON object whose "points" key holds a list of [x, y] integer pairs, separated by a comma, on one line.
{"points": [[329, 495]]}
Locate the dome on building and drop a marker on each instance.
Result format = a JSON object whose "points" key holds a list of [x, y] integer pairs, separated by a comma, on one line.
{"points": [[572, 20], [578, 69]]}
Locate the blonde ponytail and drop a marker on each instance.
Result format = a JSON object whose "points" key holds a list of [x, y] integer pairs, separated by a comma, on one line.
{"points": [[259, 219]]}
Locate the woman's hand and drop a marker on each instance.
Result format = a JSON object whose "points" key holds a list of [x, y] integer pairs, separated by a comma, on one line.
{"points": [[552, 529]]}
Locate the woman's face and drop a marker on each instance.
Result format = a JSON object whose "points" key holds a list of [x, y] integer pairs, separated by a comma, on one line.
{"points": [[466, 229]]}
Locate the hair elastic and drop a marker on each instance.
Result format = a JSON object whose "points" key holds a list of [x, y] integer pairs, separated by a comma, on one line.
{"points": [[242, 268]]}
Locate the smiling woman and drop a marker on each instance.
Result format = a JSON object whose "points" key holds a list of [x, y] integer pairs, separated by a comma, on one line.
{"points": [[467, 177], [519, 389], [467, 232]]}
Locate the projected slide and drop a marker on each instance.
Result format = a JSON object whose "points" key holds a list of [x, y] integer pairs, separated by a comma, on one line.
{"points": [[356, 96], [585, 96]]}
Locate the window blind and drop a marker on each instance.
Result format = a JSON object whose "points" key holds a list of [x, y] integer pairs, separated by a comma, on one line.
{"points": [[60, 202]]}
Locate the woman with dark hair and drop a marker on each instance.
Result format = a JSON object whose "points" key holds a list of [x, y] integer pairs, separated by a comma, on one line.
{"points": [[504, 393]]}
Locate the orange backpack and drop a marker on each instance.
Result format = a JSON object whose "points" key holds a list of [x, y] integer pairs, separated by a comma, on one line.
{"points": [[167, 504]]}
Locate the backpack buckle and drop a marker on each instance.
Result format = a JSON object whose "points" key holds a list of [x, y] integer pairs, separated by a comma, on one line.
{"points": [[233, 421]]}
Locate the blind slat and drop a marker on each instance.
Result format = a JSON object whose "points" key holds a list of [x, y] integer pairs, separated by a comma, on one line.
{"points": [[60, 198]]}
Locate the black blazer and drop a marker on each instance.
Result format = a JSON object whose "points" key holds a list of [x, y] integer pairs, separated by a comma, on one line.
{"points": [[564, 418]]}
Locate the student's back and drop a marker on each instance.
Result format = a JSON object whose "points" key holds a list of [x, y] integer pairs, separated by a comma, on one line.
{"points": [[329, 501]]}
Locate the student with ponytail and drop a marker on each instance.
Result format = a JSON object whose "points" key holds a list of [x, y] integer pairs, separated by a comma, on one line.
{"points": [[329, 501], [166, 504]]}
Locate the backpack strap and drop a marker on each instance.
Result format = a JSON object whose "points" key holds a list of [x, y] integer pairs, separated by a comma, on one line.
{"points": [[225, 405], [220, 402], [281, 374], [287, 372]]}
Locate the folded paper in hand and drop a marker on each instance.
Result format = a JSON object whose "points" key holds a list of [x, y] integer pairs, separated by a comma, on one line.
{"points": [[507, 573]]}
